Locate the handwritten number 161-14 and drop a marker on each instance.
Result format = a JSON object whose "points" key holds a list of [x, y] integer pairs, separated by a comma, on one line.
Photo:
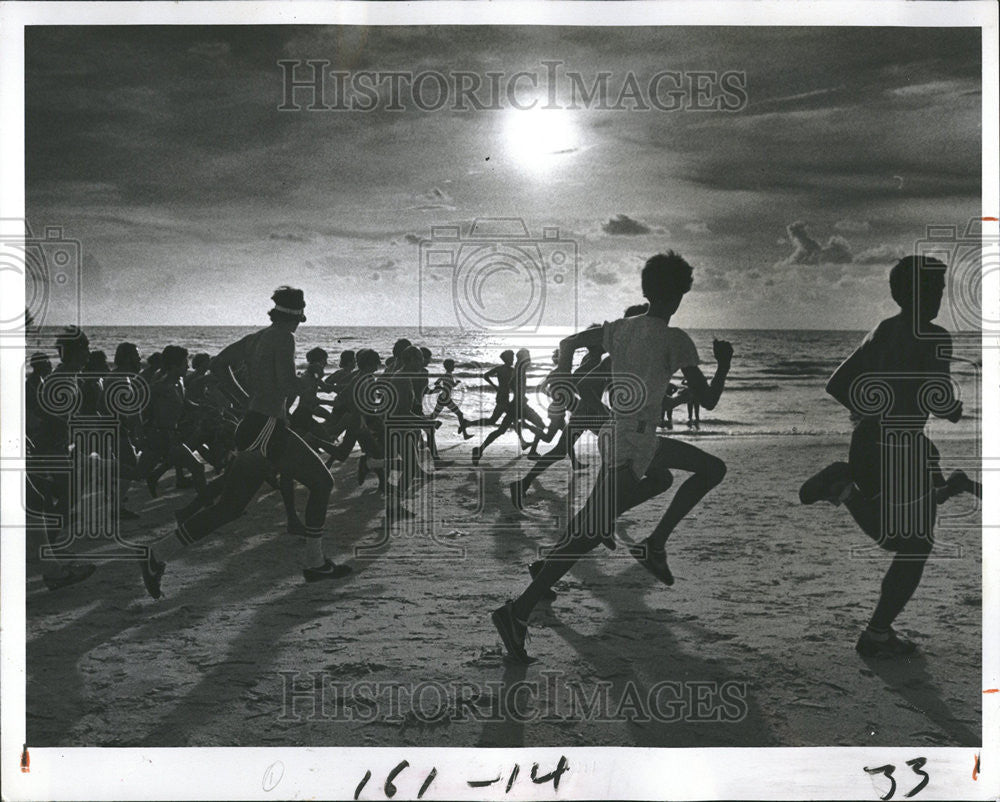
{"points": [[916, 764]]}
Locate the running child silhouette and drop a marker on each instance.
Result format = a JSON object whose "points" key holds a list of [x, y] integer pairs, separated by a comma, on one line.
{"points": [[444, 386], [892, 482], [645, 352]]}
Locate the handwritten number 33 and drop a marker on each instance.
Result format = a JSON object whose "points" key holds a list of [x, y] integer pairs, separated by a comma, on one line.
{"points": [[916, 764]]}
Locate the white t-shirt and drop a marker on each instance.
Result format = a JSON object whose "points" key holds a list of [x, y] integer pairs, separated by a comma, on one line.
{"points": [[645, 353]]}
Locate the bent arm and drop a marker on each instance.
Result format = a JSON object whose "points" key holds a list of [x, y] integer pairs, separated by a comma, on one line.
{"points": [[588, 338], [706, 393], [844, 377]]}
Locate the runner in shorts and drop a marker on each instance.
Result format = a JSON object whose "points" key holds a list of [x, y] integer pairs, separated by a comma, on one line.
{"points": [[892, 481], [645, 352], [263, 441]]}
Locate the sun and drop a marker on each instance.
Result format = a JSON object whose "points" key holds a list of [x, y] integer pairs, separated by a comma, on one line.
{"points": [[540, 138]]}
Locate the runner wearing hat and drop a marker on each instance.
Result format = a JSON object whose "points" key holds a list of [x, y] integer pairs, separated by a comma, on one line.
{"points": [[263, 441]]}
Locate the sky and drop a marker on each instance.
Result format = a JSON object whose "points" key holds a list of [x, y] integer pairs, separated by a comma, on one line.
{"points": [[164, 152]]}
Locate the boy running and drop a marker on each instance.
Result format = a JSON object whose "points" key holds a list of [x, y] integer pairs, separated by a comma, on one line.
{"points": [[499, 378], [519, 413], [645, 351], [445, 386], [337, 380], [891, 483]]}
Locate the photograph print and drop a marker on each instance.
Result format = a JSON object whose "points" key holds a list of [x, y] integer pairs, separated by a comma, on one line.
{"points": [[503, 386]]}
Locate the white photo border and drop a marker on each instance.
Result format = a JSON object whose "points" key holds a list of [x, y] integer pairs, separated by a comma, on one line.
{"points": [[597, 773]]}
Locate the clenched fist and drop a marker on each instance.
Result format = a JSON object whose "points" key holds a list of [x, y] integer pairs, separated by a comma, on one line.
{"points": [[723, 351]]}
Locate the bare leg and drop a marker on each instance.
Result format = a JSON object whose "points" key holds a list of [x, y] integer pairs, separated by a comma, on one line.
{"points": [[502, 429], [498, 410], [593, 524], [707, 471], [462, 422]]}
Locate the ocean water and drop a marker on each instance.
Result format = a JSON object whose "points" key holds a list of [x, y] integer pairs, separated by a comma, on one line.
{"points": [[775, 386]]}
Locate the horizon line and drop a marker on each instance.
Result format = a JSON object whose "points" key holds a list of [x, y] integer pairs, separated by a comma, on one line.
{"points": [[415, 326]]}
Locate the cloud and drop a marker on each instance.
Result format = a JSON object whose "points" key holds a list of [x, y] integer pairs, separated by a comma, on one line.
{"points": [[623, 225], [289, 236], [880, 254], [800, 100], [807, 251], [710, 279], [697, 227], [836, 255], [853, 226], [593, 274], [89, 192], [433, 200]]}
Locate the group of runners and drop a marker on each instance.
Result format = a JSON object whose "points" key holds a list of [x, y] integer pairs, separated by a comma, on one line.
{"points": [[247, 414]]}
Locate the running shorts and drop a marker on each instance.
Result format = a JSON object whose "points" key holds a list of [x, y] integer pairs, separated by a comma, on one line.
{"points": [[263, 433], [896, 468]]}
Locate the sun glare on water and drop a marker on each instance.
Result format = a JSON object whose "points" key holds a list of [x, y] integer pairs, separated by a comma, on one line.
{"points": [[539, 138]]}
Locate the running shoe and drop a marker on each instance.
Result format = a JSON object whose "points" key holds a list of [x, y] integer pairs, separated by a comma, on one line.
{"points": [[512, 631], [152, 573], [653, 560], [329, 570], [76, 572], [893, 646]]}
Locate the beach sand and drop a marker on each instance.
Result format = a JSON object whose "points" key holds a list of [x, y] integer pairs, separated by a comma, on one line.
{"points": [[753, 645]]}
